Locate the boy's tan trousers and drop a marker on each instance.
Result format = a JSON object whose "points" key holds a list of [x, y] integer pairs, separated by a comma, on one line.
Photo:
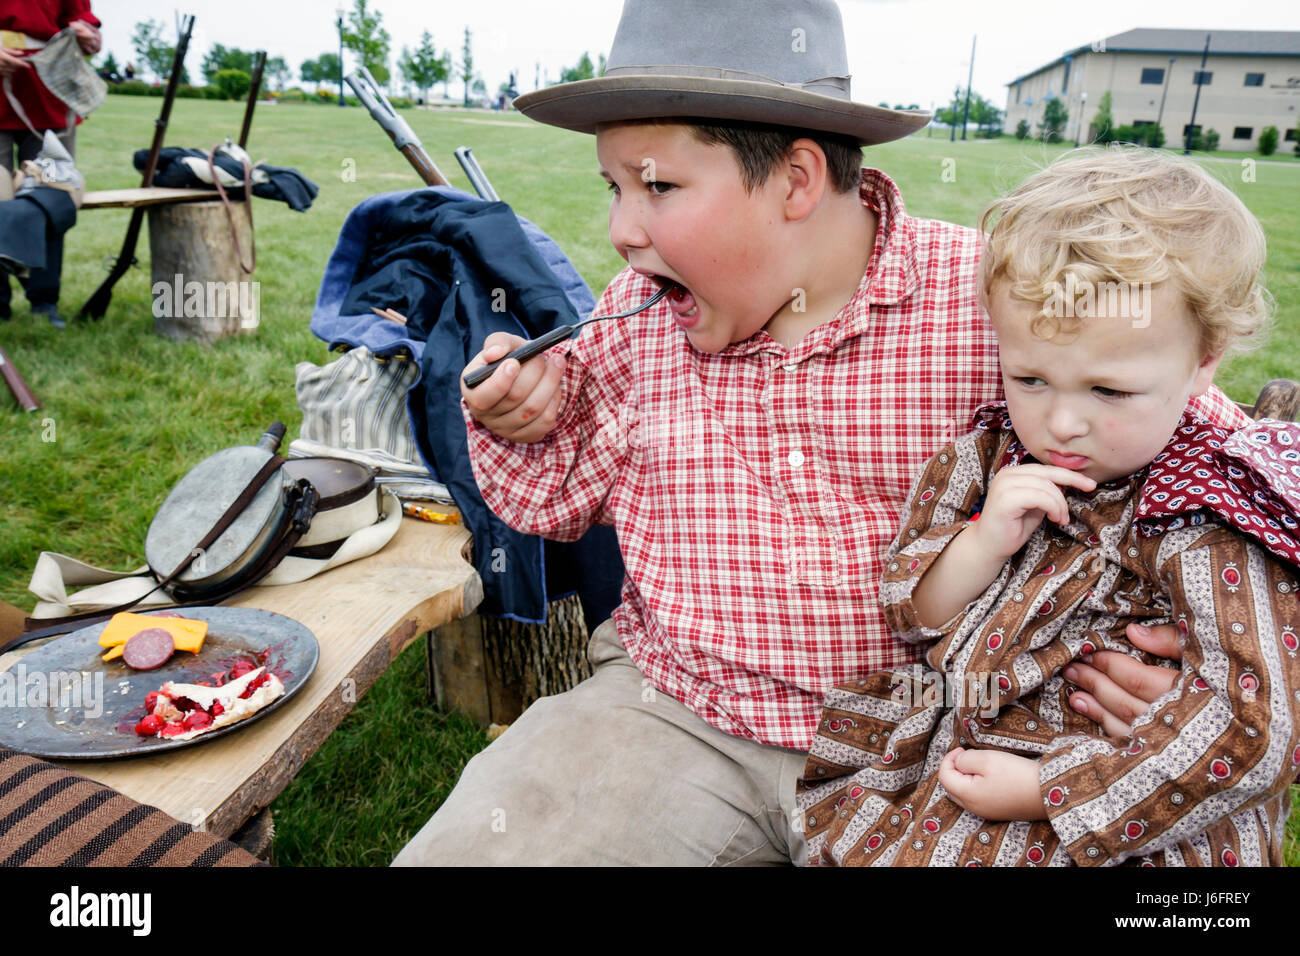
{"points": [[615, 772]]}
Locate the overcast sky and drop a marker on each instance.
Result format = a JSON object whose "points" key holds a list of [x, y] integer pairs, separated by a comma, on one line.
{"points": [[900, 51]]}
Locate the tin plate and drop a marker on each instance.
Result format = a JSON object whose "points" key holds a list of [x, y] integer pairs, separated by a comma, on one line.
{"points": [[62, 701]]}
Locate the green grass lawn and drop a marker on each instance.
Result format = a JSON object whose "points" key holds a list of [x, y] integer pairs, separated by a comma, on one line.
{"points": [[127, 413]]}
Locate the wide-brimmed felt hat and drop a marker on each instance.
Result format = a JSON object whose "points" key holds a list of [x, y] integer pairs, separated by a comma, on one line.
{"points": [[776, 62]]}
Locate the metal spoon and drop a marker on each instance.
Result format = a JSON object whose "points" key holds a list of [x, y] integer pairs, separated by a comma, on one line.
{"points": [[557, 334]]}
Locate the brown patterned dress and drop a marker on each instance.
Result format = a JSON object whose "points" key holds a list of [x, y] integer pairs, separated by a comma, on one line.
{"points": [[1204, 778]]}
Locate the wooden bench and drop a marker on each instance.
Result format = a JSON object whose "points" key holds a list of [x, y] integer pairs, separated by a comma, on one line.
{"points": [[141, 196]]}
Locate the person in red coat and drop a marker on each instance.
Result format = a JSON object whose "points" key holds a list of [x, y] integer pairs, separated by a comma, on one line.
{"points": [[25, 27]]}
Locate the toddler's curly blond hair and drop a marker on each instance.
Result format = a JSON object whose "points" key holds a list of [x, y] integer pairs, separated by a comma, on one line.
{"points": [[1124, 214]]}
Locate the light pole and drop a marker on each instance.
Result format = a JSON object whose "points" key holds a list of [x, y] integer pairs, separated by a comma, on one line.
{"points": [[339, 23], [1163, 93], [1083, 108], [969, 79], [1200, 78]]}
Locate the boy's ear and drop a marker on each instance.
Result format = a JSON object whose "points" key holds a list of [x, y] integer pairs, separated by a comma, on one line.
{"points": [[807, 176], [1205, 374]]}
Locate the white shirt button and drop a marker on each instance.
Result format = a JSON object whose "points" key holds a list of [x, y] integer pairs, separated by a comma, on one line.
{"points": [[795, 458]]}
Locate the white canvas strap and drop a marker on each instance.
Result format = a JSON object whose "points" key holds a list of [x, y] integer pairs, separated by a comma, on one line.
{"points": [[100, 588]]}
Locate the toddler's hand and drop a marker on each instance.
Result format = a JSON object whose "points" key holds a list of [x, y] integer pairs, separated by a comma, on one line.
{"points": [[518, 403], [1018, 499], [993, 785]]}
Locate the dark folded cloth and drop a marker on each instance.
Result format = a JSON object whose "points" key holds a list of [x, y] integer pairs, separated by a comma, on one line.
{"points": [[284, 184], [28, 226]]}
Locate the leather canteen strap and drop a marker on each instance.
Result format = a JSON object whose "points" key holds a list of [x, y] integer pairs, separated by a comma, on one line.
{"points": [[62, 625]]}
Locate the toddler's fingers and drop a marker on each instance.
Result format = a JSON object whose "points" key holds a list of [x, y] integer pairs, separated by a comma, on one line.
{"points": [[973, 763], [1060, 476], [1027, 496]]}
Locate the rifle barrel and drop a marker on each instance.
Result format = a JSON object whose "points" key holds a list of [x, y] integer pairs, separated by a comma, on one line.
{"points": [[254, 89]]}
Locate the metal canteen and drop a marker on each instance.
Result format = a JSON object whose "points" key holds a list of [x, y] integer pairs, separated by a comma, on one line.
{"points": [[196, 504]]}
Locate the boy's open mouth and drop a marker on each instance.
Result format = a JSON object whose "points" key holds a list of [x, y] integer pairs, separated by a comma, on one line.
{"points": [[680, 301]]}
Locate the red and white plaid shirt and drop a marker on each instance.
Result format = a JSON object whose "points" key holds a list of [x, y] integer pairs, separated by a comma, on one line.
{"points": [[755, 491]]}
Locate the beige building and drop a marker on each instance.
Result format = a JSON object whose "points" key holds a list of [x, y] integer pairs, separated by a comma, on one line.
{"points": [[1251, 80]]}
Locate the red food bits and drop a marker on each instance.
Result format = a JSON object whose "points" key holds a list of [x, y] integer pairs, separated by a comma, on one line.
{"points": [[150, 700], [172, 729], [150, 726], [217, 709], [241, 668], [197, 719], [253, 685]]}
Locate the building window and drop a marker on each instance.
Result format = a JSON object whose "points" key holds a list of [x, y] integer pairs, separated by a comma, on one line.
{"points": [[1243, 132], [1290, 136], [1065, 83], [1254, 79], [1153, 74], [1138, 124], [1017, 94], [1202, 77]]}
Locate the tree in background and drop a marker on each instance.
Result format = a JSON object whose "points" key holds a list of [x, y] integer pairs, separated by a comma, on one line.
{"points": [[276, 71], [1022, 129], [466, 66], [225, 58], [1055, 116], [423, 67], [986, 117], [951, 115], [233, 84], [1268, 141], [109, 68], [1104, 121], [583, 70], [365, 36], [323, 69], [150, 48]]}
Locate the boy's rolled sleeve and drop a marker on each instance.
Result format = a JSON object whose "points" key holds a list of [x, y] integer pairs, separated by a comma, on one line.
{"points": [[1222, 742]]}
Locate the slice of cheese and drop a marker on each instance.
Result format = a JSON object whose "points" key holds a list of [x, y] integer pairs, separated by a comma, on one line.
{"points": [[187, 634]]}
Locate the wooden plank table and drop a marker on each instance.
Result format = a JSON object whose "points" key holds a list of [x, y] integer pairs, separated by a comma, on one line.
{"points": [[143, 196], [363, 614]]}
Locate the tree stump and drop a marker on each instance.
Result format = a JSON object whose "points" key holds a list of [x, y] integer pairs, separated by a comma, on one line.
{"points": [[200, 291], [493, 668]]}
